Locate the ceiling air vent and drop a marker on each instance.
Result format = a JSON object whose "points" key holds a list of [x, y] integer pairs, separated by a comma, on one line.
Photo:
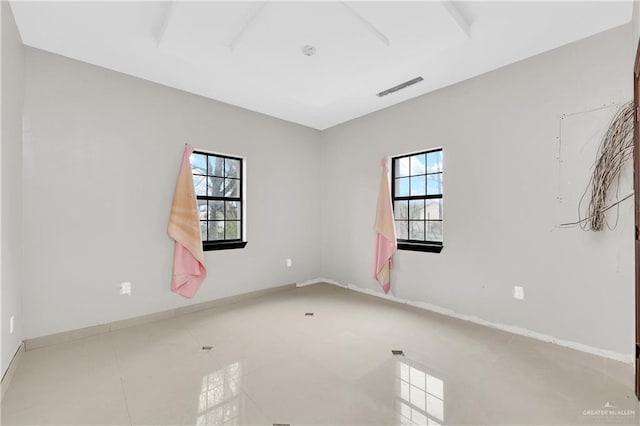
{"points": [[400, 87]]}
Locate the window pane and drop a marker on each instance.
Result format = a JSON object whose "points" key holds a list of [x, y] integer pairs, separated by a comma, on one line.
{"points": [[432, 422], [402, 167], [198, 164], [434, 184], [216, 210], [231, 168], [416, 230], [402, 187], [232, 230], [416, 209], [434, 231], [404, 421], [404, 391], [418, 378], [435, 386], [434, 209], [200, 184], [400, 209], [434, 162], [232, 210], [203, 230], [418, 164], [404, 371], [402, 229], [405, 410], [216, 230], [216, 187], [216, 166], [232, 188], [435, 407], [418, 398], [202, 209], [418, 185], [418, 418]]}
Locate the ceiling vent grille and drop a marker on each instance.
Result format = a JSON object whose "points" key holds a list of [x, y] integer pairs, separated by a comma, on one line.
{"points": [[400, 87]]}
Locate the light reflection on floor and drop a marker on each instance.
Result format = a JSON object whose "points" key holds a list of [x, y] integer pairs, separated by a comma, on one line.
{"points": [[419, 396], [220, 401]]}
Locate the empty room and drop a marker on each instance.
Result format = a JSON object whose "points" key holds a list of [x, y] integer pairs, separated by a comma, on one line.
{"points": [[320, 213]]}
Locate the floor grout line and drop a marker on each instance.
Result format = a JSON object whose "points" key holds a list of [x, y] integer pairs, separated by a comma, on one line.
{"points": [[124, 393]]}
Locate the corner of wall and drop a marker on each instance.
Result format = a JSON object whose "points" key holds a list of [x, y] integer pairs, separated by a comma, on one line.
{"points": [[12, 97], [492, 241]]}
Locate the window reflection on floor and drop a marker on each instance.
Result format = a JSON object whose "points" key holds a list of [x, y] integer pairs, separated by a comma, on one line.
{"points": [[220, 399], [419, 396]]}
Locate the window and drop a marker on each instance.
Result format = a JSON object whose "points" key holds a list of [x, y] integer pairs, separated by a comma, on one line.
{"points": [[218, 183], [417, 200]]}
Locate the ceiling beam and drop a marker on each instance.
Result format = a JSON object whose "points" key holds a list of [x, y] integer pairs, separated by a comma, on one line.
{"points": [[367, 25], [250, 18], [457, 16], [166, 17]]}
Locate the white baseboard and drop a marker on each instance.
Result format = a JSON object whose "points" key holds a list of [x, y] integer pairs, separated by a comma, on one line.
{"points": [[605, 353], [71, 335], [11, 370]]}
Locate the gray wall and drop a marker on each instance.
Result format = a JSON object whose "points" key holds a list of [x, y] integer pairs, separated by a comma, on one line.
{"points": [[101, 157], [505, 194], [11, 184], [635, 20]]}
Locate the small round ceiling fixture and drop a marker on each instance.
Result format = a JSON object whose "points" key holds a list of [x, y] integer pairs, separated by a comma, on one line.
{"points": [[308, 50]]}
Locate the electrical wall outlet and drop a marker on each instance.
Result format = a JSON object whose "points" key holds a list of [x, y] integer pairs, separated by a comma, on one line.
{"points": [[11, 324], [289, 263], [125, 288], [518, 293]]}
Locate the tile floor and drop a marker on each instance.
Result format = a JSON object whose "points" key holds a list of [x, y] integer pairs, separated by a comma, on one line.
{"points": [[269, 363]]}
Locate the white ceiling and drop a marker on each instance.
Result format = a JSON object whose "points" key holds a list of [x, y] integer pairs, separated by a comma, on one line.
{"points": [[249, 53]]}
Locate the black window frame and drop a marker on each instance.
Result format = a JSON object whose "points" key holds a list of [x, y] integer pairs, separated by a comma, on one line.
{"points": [[236, 243], [408, 244]]}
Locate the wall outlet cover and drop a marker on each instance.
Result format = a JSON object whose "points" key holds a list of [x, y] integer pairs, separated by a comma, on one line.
{"points": [[518, 293], [125, 288]]}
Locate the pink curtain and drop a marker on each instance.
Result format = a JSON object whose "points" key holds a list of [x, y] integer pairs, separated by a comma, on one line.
{"points": [[184, 227], [386, 244]]}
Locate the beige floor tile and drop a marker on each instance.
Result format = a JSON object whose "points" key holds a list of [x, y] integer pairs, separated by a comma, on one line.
{"points": [[70, 383]]}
